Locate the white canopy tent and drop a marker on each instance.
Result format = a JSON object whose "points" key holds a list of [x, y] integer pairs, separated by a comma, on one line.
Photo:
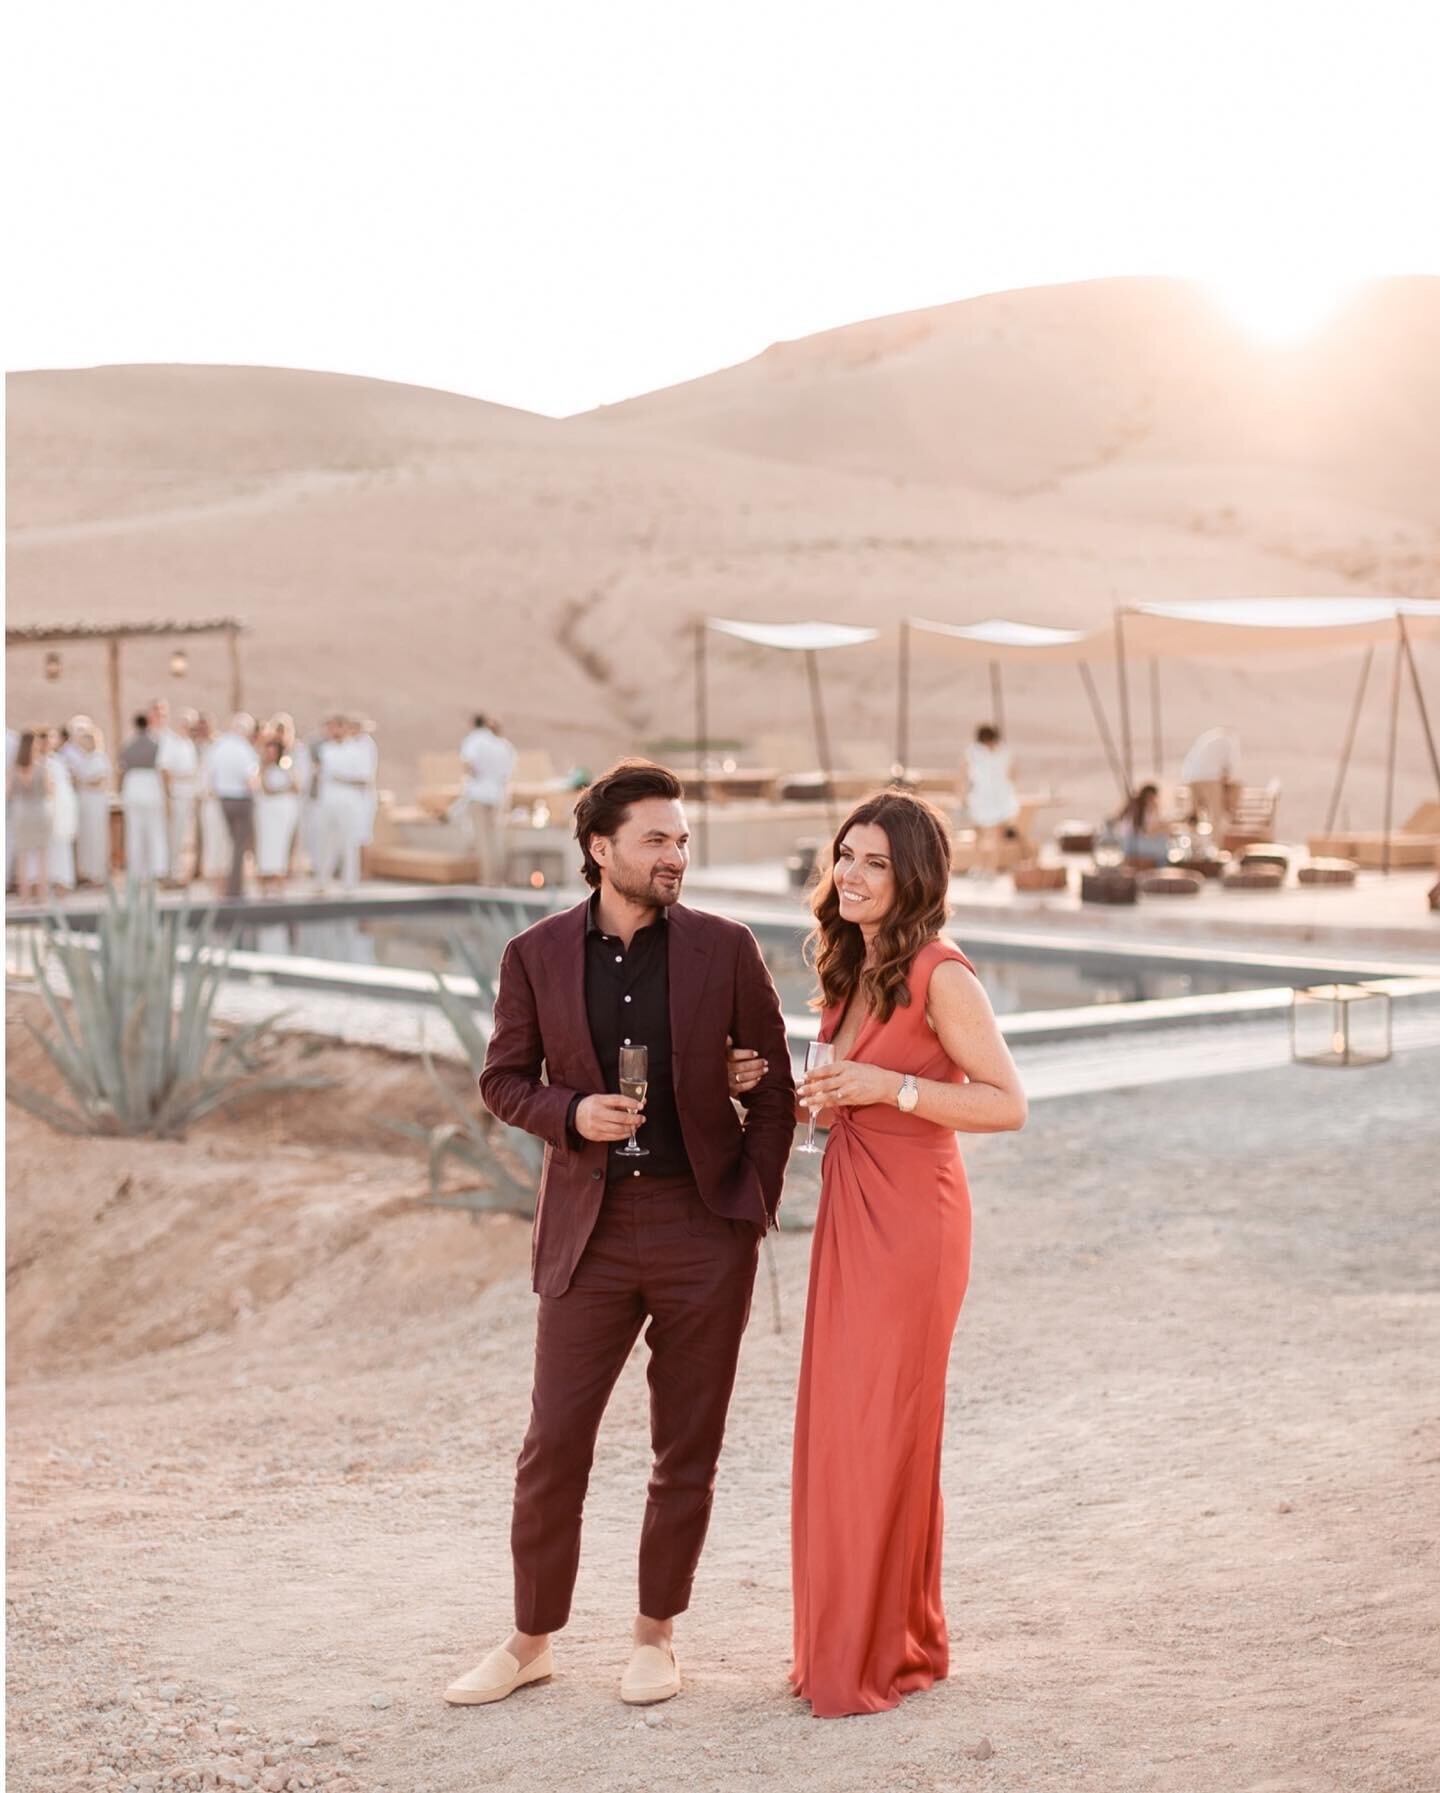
{"points": [[810, 639], [1217, 627], [997, 641]]}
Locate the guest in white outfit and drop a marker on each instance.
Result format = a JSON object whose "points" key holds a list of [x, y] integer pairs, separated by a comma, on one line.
{"points": [[29, 816], [66, 813], [142, 798], [990, 800], [91, 770], [12, 748], [214, 835], [307, 771], [364, 735], [1211, 768], [347, 774], [489, 761], [180, 768], [234, 774], [277, 811]]}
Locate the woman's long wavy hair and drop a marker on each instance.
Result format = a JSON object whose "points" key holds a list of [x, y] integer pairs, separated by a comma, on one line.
{"points": [[919, 838]]}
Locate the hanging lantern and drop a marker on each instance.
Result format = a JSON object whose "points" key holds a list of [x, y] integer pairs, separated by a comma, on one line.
{"points": [[52, 666], [178, 663]]}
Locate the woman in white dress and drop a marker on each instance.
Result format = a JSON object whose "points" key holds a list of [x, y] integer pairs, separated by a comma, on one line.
{"points": [[30, 816], [92, 769], [65, 814], [277, 811], [991, 800], [215, 846]]}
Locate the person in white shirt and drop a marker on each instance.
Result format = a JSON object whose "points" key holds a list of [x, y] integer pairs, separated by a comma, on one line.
{"points": [[142, 798], [233, 772], [180, 768], [489, 761], [90, 768], [991, 800], [347, 775], [1212, 770], [214, 835]]}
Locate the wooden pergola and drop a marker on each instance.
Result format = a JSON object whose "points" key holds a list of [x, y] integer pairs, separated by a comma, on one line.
{"points": [[55, 635]]}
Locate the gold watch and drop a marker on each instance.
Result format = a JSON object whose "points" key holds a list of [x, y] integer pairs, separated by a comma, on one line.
{"points": [[908, 1098]]}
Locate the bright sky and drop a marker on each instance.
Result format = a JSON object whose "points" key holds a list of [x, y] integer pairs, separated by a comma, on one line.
{"points": [[556, 203]]}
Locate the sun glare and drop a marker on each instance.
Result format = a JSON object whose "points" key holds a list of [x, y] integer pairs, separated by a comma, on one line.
{"points": [[1281, 306]]}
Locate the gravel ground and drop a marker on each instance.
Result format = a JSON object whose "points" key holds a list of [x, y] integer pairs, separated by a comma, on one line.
{"points": [[264, 1410]]}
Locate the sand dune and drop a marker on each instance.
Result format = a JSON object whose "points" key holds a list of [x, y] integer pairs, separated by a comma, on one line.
{"points": [[1043, 454]]}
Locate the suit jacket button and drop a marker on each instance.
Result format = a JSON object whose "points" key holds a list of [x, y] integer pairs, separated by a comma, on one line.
{"points": [[596, 1175]]}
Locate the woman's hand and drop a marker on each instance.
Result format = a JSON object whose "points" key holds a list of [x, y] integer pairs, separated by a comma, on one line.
{"points": [[847, 1084], [744, 1068]]}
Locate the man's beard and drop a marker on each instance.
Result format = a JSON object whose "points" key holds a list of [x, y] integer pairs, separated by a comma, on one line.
{"points": [[626, 881]]}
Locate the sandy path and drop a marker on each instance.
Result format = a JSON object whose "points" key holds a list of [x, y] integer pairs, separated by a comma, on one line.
{"points": [[1192, 1473]]}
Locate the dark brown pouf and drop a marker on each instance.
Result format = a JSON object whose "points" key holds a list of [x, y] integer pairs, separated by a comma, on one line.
{"points": [[1254, 877], [1172, 883], [1112, 884]]}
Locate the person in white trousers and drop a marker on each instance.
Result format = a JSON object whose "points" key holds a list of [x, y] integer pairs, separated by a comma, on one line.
{"points": [[91, 769], [180, 768], [142, 799], [489, 761], [347, 773], [65, 812]]}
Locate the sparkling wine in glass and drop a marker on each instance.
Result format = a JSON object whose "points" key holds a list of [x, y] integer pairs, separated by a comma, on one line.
{"points": [[817, 1053], [634, 1081]]}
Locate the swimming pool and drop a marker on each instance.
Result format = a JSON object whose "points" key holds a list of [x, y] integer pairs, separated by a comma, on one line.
{"points": [[1021, 977]]}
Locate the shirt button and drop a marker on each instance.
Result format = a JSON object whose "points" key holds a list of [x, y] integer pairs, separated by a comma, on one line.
{"points": [[627, 1039], [634, 1173], [627, 999], [619, 958]]}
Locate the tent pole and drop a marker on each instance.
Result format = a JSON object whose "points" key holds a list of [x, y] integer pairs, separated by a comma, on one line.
{"points": [[997, 697], [702, 742], [1157, 748], [1122, 683], [112, 655], [902, 722], [1420, 701], [1345, 751], [822, 739], [1102, 726], [237, 688], [1390, 752]]}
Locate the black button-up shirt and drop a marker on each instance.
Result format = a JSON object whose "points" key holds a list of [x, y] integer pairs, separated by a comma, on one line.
{"points": [[627, 1003]]}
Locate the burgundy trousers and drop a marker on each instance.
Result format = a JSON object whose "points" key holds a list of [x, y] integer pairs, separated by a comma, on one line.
{"points": [[657, 1251]]}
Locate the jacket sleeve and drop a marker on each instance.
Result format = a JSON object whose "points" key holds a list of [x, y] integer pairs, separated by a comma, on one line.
{"points": [[511, 1082], [758, 1021]]}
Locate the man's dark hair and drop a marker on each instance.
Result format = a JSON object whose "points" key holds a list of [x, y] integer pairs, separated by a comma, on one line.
{"points": [[482, 722], [142, 721], [605, 806], [987, 735]]}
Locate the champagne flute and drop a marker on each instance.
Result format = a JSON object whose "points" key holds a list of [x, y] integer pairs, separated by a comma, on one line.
{"points": [[817, 1053], [634, 1080]]}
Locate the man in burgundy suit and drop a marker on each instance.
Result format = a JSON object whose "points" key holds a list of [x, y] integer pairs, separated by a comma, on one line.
{"points": [[672, 1237]]}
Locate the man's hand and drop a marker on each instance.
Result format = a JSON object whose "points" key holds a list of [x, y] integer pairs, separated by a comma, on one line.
{"points": [[607, 1117]]}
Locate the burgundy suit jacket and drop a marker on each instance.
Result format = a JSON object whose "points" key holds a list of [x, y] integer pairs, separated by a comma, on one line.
{"points": [[541, 1054]]}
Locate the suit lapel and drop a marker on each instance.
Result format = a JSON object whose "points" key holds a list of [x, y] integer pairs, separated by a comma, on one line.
{"points": [[688, 970], [569, 986]]}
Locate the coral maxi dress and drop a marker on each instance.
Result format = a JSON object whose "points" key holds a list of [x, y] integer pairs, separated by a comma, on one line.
{"points": [[888, 1269]]}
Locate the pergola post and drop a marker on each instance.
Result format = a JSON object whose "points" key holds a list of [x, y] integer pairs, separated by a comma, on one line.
{"points": [[1122, 684], [997, 697], [112, 658], [237, 691]]}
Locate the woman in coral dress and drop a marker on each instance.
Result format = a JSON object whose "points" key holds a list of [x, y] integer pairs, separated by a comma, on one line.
{"points": [[918, 1059]]}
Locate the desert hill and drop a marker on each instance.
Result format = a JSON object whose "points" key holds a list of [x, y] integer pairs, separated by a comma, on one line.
{"points": [[1045, 454]]}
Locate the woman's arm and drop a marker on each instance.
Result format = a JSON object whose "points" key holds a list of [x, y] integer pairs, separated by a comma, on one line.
{"points": [[993, 1101]]}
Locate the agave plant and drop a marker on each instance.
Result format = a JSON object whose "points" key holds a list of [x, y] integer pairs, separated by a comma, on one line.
{"points": [[506, 1158], [137, 1051]]}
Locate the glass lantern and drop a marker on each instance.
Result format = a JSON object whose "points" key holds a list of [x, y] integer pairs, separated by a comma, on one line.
{"points": [[1340, 1024]]}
